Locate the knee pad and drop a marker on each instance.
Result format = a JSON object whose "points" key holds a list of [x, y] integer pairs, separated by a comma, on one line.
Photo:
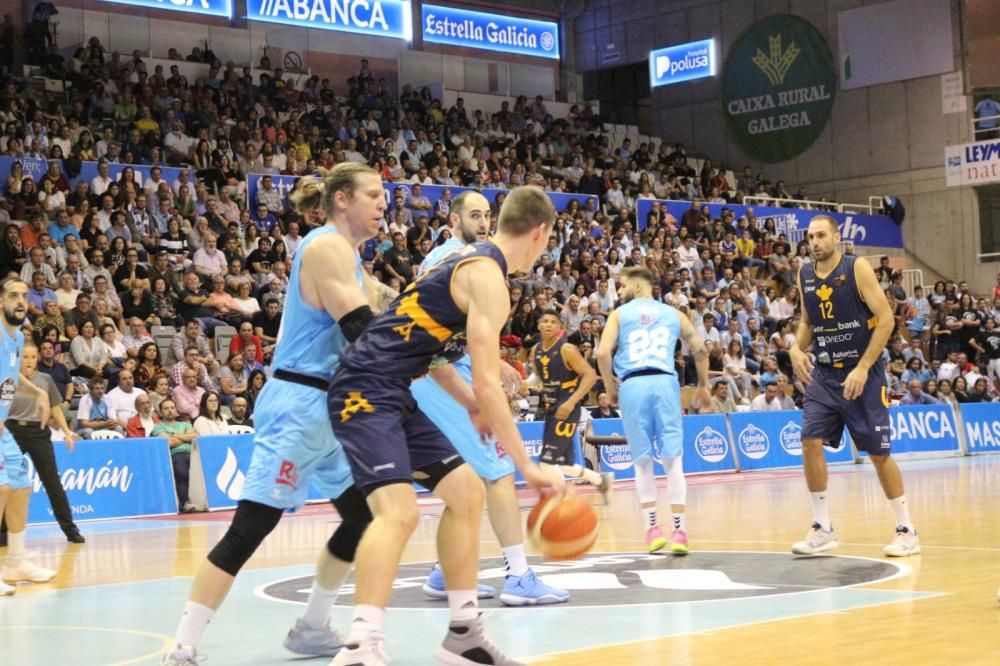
{"points": [[251, 525], [355, 516]]}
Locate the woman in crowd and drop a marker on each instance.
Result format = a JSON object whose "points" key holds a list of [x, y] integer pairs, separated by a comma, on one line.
{"points": [[960, 388], [232, 383], [210, 421], [89, 354], [12, 254], [255, 384], [149, 367], [164, 303]]}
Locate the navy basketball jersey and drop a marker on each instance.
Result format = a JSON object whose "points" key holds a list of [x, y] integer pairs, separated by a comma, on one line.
{"points": [[648, 332], [841, 321], [422, 324], [558, 380]]}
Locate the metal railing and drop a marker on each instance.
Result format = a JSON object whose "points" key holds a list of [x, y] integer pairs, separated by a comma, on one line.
{"points": [[874, 204], [985, 133]]}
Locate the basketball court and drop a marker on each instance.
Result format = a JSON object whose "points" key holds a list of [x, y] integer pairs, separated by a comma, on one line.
{"points": [[740, 597]]}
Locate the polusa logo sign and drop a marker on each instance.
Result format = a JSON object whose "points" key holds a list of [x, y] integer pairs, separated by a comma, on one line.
{"points": [[778, 86]]}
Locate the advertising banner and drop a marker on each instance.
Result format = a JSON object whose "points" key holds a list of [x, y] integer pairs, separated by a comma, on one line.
{"points": [[778, 85], [770, 440], [972, 163], [982, 427], [110, 478], [923, 429], [223, 8], [378, 18], [490, 32], [862, 230], [683, 62]]}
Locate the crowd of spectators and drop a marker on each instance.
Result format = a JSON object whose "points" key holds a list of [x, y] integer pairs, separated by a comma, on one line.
{"points": [[112, 260]]}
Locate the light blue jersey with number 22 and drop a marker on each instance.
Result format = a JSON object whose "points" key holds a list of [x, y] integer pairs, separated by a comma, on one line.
{"points": [[648, 332]]}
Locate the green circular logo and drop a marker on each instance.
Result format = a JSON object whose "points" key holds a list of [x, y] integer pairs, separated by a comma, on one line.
{"points": [[777, 87]]}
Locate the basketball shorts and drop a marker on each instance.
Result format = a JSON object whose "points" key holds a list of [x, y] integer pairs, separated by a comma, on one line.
{"points": [[294, 447], [489, 460], [385, 434], [13, 465], [825, 411], [558, 438], [651, 416]]}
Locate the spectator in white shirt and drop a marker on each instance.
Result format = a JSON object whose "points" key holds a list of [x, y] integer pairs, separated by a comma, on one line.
{"points": [[99, 184], [292, 239], [767, 401], [121, 399], [208, 260]]}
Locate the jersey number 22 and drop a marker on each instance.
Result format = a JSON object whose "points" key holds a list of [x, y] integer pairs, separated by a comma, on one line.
{"points": [[643, 344]]}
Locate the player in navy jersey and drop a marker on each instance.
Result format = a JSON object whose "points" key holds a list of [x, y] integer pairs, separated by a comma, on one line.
{"points": [[566, 378], [646, 332], [15, 485], [328, 303], [458, 306], [470, 222], [846, 322]]}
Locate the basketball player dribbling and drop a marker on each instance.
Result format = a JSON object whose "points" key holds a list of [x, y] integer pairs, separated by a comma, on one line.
{"points": [[846, 321]]}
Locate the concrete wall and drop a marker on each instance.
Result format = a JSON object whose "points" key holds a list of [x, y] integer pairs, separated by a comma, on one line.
{"points": [[886, 139]]}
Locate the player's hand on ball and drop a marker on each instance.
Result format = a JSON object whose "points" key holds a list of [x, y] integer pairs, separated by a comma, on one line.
{"points": [[801, 364], [854, 385], [538, 477], [563, 411]]}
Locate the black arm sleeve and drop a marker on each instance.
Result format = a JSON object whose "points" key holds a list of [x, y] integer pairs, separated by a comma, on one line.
{"points": [[355, 321]]}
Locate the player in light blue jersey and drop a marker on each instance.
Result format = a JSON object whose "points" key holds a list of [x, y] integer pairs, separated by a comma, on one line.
{"points": [[470, 222], [646, 333], [15, 485], [328, 304]]}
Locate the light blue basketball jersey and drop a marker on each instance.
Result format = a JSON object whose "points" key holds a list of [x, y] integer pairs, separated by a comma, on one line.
{"points": [[10, 369], [464, 364], [312, 341], [648, 332]]}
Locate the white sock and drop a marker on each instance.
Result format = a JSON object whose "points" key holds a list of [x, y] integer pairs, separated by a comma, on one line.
{"points": [[679, 521], [193, 623], [15, 544], [517, 562], [464, 605], [649, 516], [902, 511], [367, 620], [317, 614], [821, 513]]}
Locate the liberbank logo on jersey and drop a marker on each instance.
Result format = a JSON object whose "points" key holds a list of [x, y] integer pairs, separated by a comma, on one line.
{"points": [[491, 32], [223, 8], [381, 18]]}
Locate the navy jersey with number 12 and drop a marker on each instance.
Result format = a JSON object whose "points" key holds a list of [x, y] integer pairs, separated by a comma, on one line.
{"points": [[648, 332]]}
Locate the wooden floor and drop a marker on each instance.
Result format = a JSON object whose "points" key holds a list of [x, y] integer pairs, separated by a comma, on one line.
{"points": [[740, 598]]}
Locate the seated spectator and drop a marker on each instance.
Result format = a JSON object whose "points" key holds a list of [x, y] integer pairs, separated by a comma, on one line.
{"points": [[209, 420], [221, 303], [38, 294], [144, 420], [165, 303], [132, 274], [190, 335], [191, 361], [722, 402], [116, 348], [915, 395], [94, 413], [209, 262], [604, 410], [89, 354], [159, 392], [246, 336], [239, 413], [187, 395], [179, 436], [121, 399], [67, 292], [149, 367], [266, 324], [244, 302], [195, 304], [50, 365], [231, 378], [250, 363], [135, 337], [767, 401], [51, 317], [255, 384]]}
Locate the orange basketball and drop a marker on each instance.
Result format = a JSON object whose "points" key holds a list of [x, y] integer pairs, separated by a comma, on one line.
{"points": [[562, 530]]}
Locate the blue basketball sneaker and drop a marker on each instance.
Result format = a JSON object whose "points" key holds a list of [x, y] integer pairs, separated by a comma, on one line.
{"points": [[434, 586], [528, 590]]}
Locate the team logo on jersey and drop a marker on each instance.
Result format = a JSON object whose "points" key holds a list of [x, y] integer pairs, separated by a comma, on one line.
{"points": [[637, 579], [565, 428], [824, 292], [354, 403], [288, 474], [7, 390]]}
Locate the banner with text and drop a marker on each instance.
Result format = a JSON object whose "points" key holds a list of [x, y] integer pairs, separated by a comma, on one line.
{"points": [[922, 429], [972, 163], [378, 18], [223, 8], [769, 440], [982, 427], [490, 32], [862, 230], [110, 478]]}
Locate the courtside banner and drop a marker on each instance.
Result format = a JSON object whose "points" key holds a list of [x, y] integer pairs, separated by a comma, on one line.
{"points": [[532, 433], [223, 8], [225, 460], [923, 429], [110, 478], [982, 427], [706, 444], [771, 440]]}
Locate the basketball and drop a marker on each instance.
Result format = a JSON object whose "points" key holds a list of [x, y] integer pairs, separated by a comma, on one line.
{"points": [[562, 530]]}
